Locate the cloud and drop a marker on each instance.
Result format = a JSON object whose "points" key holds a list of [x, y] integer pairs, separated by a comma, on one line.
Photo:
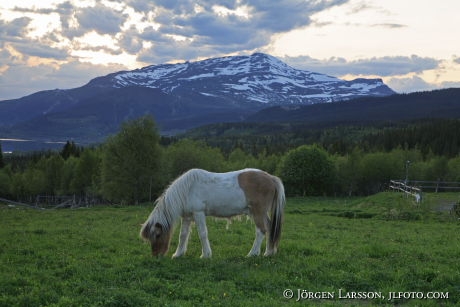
{"points": [[411, 84], [215, 27], [102, 19], [41, 50], [383, 66], [17, 27], [417, 84], [130, 41], [224, 26], [389, 25], [14, 35], [449, 84], [45, 77]]}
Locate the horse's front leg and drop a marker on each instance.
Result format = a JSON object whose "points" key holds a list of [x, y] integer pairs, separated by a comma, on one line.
{"points": [[183, 237], [200, 220]]}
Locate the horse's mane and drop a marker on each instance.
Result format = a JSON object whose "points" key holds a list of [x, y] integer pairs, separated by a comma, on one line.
{"points": [[169, 205]]}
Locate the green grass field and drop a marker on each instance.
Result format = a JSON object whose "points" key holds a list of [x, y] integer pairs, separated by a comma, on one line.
{"points": [[332, 251]]}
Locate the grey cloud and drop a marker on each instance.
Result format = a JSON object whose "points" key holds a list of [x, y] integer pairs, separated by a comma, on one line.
{"points": [[17, 26], [15, 33], [281, 16], [14, 29], [230, 32], [412, 84], [449, 84], [42, 50], [222, 31], [130, 41], [66, 11], [141, 5], [169, 49], [384, 66], [389, 25], [206, 33], [100, 18]]}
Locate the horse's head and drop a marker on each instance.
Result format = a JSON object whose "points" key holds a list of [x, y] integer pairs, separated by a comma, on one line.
{"points": [[158, 236]]}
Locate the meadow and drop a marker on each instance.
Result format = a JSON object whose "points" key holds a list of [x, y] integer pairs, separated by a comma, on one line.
{"points": [[380, 250]]}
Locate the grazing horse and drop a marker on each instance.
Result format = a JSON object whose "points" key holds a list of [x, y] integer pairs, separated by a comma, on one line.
{"points": [[199, 193]]}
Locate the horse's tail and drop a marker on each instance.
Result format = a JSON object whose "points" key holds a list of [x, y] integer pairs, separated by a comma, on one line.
{"points": [[279, 201]]}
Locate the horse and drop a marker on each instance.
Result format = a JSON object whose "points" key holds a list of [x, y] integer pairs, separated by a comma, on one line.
{"points": [[198, 193]]}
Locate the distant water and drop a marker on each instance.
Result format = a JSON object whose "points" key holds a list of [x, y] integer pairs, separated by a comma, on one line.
{"points": [[12, 145]]}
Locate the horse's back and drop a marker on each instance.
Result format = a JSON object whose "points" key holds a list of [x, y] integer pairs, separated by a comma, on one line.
{"points": [[216, 194]]}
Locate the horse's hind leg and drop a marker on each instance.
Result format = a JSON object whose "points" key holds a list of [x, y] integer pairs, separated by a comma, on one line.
{"points": [[200, 220], [261, 229], [183, 237], [255, 250]]}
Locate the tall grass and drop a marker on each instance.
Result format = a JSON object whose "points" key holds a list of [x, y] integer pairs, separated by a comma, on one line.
{"points": [[93, 257]]}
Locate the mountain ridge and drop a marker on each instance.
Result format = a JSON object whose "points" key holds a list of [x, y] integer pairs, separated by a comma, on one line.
{"points": [[257, 78], [179, 97]]}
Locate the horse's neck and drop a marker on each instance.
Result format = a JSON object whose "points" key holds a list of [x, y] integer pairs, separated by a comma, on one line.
{"points": [[168, 214]]}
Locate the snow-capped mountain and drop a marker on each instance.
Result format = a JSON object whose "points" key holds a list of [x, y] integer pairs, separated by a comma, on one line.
{"points": [[259, 78], [179, 96]]}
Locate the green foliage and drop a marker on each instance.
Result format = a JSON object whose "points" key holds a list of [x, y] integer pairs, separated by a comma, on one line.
{"points": [[348, 170], [307, 170], [453, 169], [2, 163], [52, 168], [378, 169], [130, 162], [5, 182], [86, 175], [238, 159], [93, 256], [187, 154]]}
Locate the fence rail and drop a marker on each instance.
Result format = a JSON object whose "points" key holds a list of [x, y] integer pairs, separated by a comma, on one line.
{"points": [[436, 185], [56, 202], [415, 187], [401, 186]]}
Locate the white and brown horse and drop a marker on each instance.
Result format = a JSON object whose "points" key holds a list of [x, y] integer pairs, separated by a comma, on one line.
{"points": [[199, 193]]}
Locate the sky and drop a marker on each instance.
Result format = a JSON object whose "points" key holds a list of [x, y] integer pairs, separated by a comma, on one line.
{"points": [[412, 45]]}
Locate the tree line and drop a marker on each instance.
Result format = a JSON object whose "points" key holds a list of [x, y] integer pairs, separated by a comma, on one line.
{"points": [[438, 136], [136, 164]]}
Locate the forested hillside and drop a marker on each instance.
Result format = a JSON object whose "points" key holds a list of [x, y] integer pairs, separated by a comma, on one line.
{"points": [[136, 164], [443, 103], [430, 136], [426, 120]]}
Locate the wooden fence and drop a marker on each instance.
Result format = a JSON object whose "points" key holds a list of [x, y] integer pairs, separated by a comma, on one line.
{"points": [[437, 186], [401, 186], [56, 202], [415, 187], [434, 186]]}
